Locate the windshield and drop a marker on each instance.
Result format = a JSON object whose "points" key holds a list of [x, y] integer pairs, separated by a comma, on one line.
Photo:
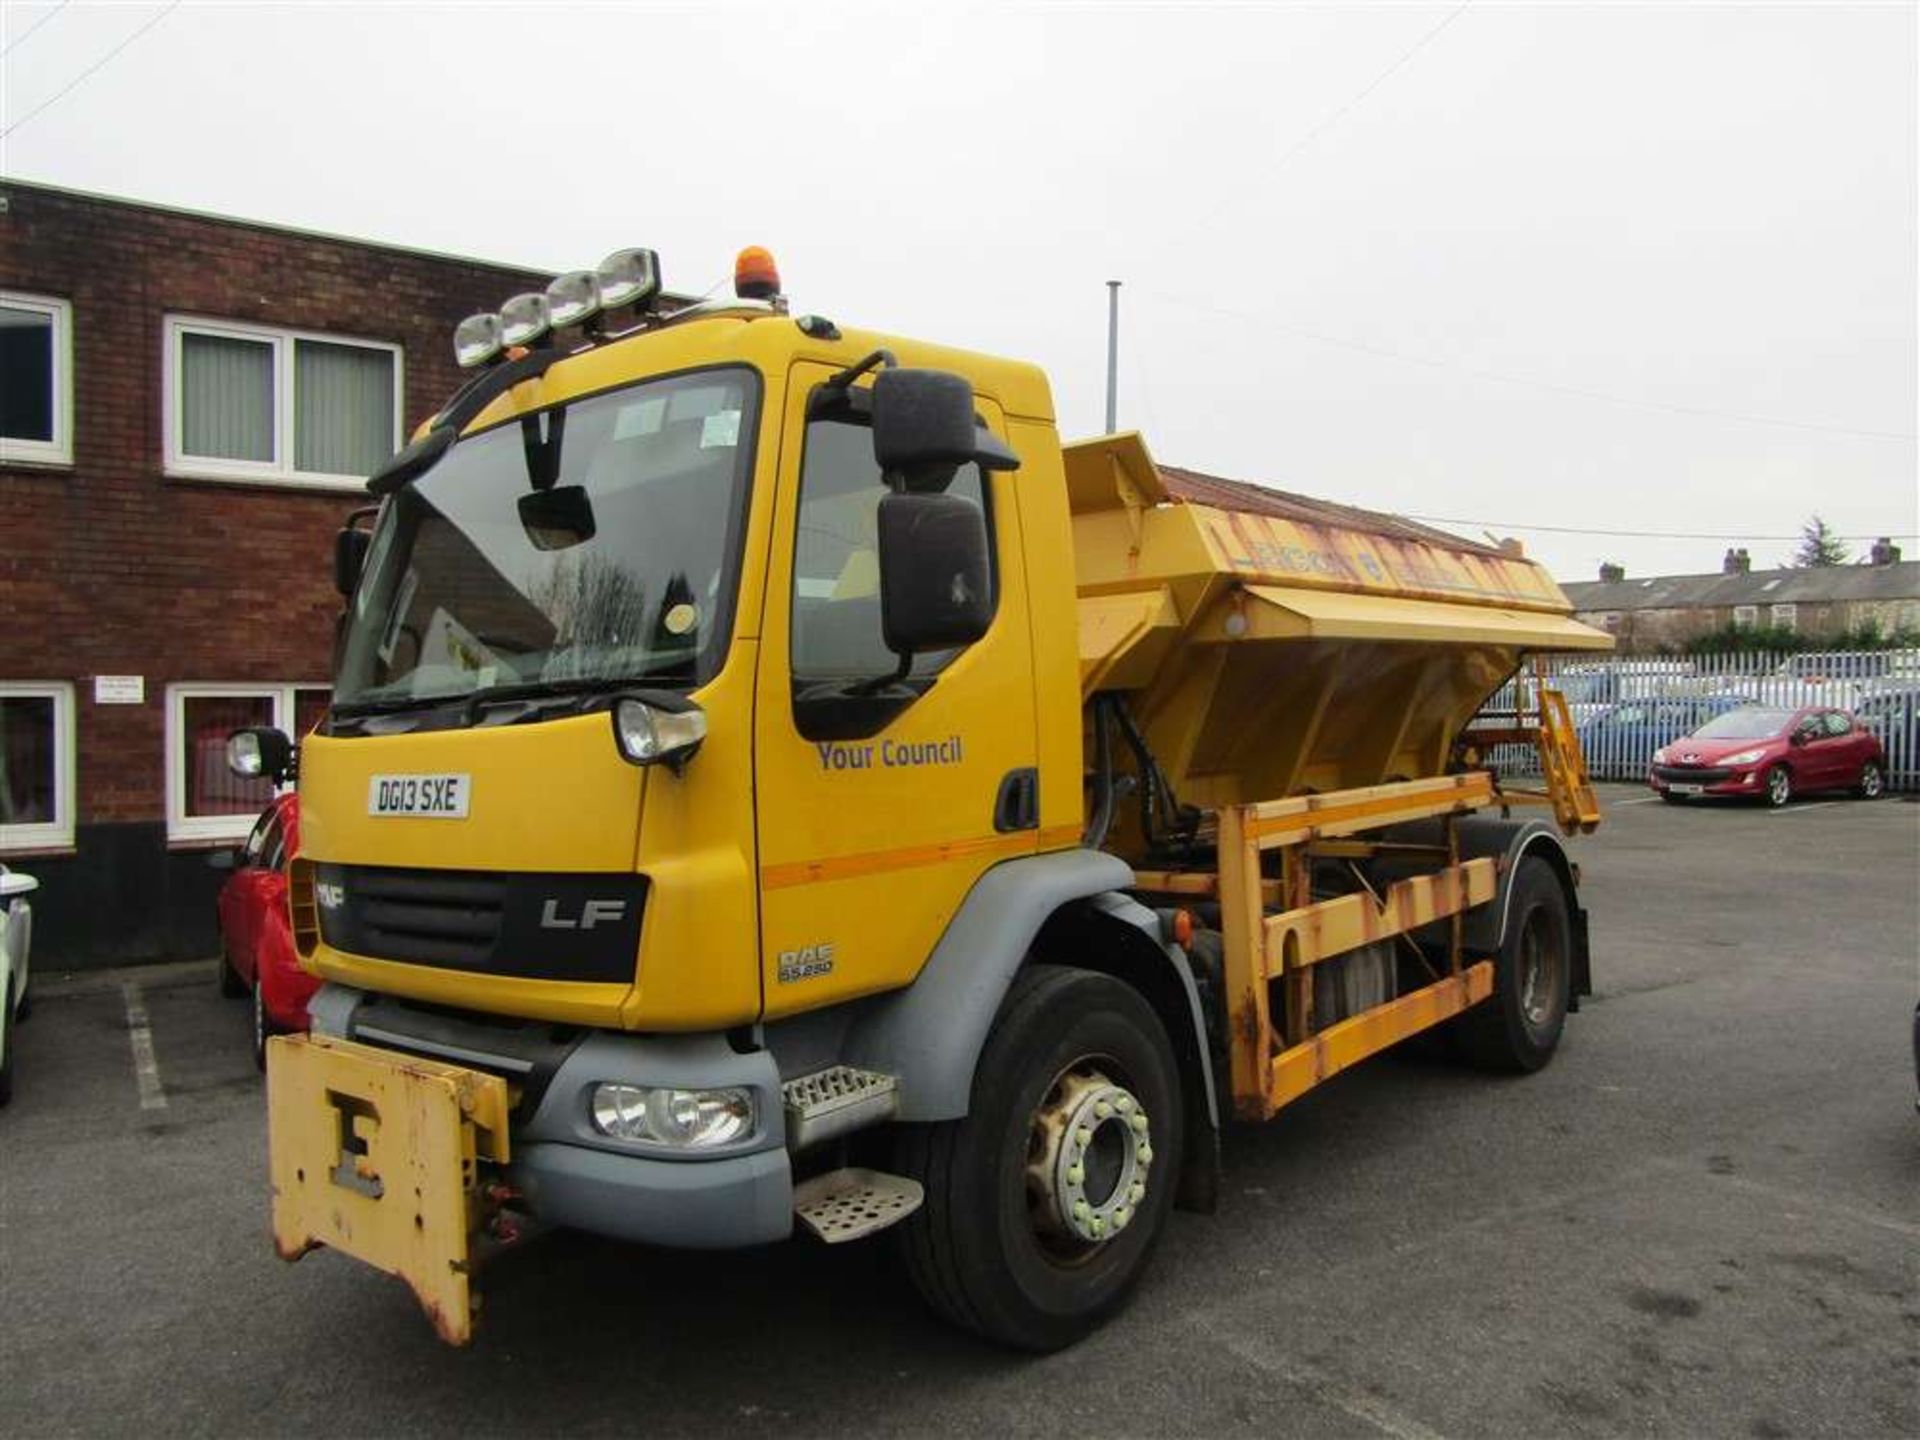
{"points": [[1754, 723], [623, 569]]}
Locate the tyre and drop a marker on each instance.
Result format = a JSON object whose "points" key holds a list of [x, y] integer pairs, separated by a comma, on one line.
{"points": [[6, 1042], [1044, 1204], [231, 985], [1779, 786], [263, 1026], [1872, 782], [1517, 1027]]}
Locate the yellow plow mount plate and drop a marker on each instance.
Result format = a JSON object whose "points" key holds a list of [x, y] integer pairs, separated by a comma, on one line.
{"points": [[377, 1155]]}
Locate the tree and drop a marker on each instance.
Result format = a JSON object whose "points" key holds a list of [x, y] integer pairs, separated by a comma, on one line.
{"points": [[1818, 546]]}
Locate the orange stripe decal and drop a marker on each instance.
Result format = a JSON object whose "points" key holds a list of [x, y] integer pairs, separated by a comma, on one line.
{"points": [[912, 857]]}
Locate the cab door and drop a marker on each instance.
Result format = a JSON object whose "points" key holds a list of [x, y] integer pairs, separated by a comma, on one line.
{"points": [[880, 799]]}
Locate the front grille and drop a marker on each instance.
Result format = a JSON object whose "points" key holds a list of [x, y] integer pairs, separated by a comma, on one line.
{"points": [[1691, 774], [433, 917], [535, 926]]}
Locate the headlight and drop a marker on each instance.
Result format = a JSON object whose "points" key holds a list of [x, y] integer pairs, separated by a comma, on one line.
{"points": [[665, 727], [685, 1119], [1659, 757], [1745, 757]]}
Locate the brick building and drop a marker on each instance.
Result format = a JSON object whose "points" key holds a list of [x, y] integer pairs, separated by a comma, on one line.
{"points": [[188, 405]]}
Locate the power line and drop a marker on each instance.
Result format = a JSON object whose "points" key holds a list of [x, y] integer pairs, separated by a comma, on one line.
{"points": [[1334, 117], [1503, 378], [33, 27], [1641, 534], [84, 74]]}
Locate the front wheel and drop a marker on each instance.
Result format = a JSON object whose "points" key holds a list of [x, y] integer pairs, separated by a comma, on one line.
{"points": [[1517, 1028], [1872, 782], [1779, 786], [1044, 1204]]}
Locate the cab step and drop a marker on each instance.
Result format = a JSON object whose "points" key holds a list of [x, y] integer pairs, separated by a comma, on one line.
{"points": [[846, 1204], [836, 1101]]}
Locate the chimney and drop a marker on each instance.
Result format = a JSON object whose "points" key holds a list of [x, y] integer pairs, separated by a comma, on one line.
{"points": [[1884, 552], [1612, 574], [1730, 562]]}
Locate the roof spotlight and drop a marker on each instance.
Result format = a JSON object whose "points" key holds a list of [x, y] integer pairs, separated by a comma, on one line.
{"points": [[573, 298], [524, 319], [628, 277], [476, 339]]}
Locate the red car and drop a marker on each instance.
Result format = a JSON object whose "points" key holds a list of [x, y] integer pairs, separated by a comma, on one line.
{"points": [[256, 933], [1771, 753]]}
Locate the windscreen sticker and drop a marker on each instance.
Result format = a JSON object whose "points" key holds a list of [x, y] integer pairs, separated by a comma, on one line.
{"points": [[720, 430]]}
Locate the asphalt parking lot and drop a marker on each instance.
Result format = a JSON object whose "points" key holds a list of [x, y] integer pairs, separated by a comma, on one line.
{"points": [[1702, 1218]]}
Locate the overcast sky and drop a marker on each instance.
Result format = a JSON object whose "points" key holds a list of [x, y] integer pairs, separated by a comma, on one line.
{"points": [[1616, 267]]}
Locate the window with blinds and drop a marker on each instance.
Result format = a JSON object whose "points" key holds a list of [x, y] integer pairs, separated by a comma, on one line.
{"points": [[250, 404]]}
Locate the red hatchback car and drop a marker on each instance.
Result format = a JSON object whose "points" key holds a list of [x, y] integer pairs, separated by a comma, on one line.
{"points": [[256, 933], [1771, 753]]}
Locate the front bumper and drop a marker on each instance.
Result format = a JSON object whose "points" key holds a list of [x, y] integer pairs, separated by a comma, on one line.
{"points": [[1665, 779], [570, 1174]]}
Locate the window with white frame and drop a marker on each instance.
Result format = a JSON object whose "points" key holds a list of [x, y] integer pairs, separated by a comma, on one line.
{"points": [[36, 379], [206, 800], [1784, 617], [1746, 617], [1610, 621], [36, 765], [246, 403]]}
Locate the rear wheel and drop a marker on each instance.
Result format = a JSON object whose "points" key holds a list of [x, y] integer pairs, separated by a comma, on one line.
{"points": [[1518, 1027], [1044, 1204], [1779, 786], [1872, 782]]}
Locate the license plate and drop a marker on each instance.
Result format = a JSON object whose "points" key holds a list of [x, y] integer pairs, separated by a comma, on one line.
{"points": [[1685, 789], [377, 1155], [430, 797]]}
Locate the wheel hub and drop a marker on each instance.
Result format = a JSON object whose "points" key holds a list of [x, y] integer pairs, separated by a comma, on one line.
{"points": [[1090, 1157]]}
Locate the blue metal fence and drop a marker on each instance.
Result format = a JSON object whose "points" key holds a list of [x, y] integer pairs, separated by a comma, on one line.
{"points": [[1626, 707]]}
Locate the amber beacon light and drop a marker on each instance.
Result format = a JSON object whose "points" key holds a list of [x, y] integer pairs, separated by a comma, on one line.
{"points": [[755, 276]]}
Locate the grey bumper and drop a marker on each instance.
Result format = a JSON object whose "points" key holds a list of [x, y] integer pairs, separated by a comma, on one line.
{"points": [[691, 1204]]}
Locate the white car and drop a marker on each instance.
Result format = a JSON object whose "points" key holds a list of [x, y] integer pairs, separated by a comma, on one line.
{"points": [[16, 935]]}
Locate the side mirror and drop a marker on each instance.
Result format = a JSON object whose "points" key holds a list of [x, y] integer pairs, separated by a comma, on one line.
{"points": [[349, 558], [261, 752], [924, 429], [1799, 737], [936, 585]]}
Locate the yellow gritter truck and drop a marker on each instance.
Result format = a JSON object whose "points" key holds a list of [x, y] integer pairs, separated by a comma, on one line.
{"points": [[773, 784]]}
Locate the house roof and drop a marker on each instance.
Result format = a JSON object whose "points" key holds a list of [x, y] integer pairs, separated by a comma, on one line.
{"points": [[1812, 586], [1198, 489]]}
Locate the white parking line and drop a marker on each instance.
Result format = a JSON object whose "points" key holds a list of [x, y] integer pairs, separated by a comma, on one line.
{"points": [[146, 1069], [1802, 809], [1643, 800]]}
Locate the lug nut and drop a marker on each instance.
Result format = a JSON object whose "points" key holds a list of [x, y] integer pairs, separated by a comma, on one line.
{"points": [[1145, 1155], [1124, 1104], [1137, 1193], [1139, 1123], [1076, 1173], [1102, 1109]]}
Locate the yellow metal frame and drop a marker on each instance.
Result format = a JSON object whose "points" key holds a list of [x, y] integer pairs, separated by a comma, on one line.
{"points": [[1273, 1064], [378, 1155], [1566, 787]]}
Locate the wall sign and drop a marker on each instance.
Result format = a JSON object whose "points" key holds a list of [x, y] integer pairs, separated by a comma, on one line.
{"points": [[119, 689]]}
